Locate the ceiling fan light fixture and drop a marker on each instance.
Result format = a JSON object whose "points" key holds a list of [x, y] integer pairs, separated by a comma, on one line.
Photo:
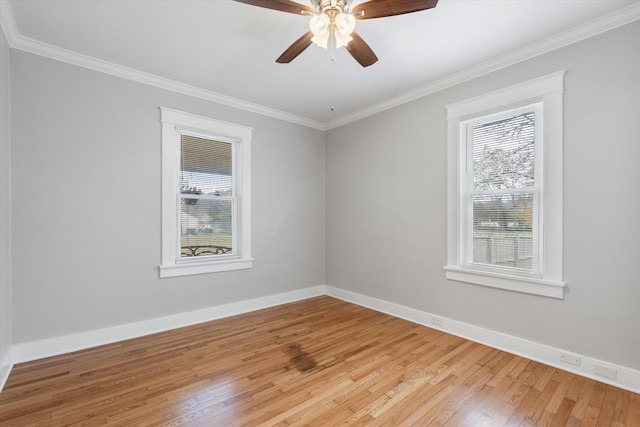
{"points": [[333, 22], [342, 39], [321, 40], [319, 24], [345, 23]]}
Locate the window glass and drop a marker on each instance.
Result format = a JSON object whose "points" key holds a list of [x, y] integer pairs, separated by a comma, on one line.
{"points": [[207, 199], [501, 191]]}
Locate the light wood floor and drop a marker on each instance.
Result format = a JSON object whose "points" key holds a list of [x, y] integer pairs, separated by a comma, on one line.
{"points": [[318, 362]]}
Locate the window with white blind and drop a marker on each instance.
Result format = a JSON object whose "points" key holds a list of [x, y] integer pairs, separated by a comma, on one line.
{"points": [[505, 188], [500, 195], [205, 188]]}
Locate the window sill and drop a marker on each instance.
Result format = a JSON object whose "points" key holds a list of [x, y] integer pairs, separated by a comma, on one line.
{"points": [[186, 269], [547, 288]]}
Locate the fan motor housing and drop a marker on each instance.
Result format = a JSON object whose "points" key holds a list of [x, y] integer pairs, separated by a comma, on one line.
{"points": [[327, 6]]}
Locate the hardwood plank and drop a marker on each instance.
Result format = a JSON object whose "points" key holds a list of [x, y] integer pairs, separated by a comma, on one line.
{"points": [[564, 384], [582, 401], [591, 416], [563, 413], [621, 411], [474, 379], [633, 416], [470, 410], [317, 362], [538, 408], [608, 407]]}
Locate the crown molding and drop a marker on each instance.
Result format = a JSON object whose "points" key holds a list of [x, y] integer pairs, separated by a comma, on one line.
{"points": [[6, 22], [581, 32], [20, 42], [608, 22]]}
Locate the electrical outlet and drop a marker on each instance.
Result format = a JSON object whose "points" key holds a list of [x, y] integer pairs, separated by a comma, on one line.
{"points": [[571, 359], [605, 371], [436, 321]]}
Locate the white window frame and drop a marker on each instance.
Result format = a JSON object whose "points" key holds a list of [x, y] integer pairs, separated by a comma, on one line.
{"points": [[174, 124], [548, 91], [466, 223]]}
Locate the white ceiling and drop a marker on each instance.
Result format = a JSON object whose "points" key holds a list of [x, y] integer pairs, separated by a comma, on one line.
{"points": [[226, 50]]}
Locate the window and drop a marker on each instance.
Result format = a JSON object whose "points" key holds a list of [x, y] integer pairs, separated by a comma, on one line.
{"points": [[500, 191], [205, 195], [505, 188]]}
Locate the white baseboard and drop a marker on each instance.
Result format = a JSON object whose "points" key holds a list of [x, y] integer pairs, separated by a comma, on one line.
{"points": [[626, 378], [39, 349], [6, 365]]}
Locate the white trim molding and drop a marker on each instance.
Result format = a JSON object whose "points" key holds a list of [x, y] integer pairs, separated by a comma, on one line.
{"points": [[20, 42], [6, 365], [6, 357], [547, 92], [626, 378], [33, 350], [549, 44], [8, 23], [528, 285], [573, 35], [174, 124]]}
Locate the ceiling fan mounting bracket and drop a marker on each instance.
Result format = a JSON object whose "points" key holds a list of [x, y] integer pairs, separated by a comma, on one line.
{"points": [[331, 6]]}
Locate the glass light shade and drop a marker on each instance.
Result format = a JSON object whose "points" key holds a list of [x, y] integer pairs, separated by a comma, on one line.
{"points": [[321, 40], [345, 23], [342, 39], [319, 25]]}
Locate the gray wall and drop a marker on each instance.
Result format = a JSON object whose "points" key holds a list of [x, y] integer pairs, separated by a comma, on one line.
{"points": [[86, 203], [5, 201], [386, 206]]}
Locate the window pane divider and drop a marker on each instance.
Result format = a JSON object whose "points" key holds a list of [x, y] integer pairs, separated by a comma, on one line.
{"points": [[522, 190]]}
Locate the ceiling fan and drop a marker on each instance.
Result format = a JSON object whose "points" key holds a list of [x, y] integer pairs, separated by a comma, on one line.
{"points": [[332, 23]]}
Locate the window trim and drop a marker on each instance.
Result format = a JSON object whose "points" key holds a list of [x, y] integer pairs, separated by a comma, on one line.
{"points": [[174, 123], [549, 91]]}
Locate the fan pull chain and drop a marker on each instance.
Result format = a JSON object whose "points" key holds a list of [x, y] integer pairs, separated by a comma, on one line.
{"points": [[332, 58], [331, 76]]}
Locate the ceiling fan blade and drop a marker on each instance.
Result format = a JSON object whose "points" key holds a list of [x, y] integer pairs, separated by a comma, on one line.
{"points": [[295, 49], [281, 5], [382, 8], [361, 51]]}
